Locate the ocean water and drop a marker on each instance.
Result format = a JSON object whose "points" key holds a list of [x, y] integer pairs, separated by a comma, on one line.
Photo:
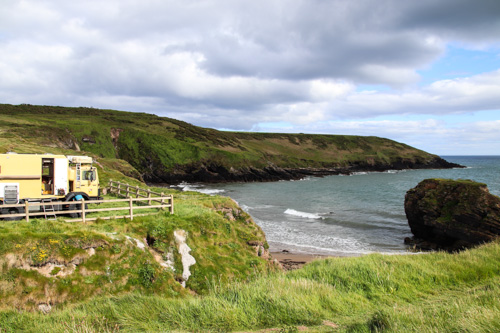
{"points": [[344, 215]]}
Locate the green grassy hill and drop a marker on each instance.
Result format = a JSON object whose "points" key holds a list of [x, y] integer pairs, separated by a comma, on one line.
{"points": [[171, 151]]}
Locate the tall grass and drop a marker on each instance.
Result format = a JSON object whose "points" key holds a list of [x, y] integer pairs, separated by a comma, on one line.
{"points": [[431, 292]]}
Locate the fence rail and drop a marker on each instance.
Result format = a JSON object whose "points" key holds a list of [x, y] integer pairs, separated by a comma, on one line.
{"points": [[129, 190], [161, 201]]}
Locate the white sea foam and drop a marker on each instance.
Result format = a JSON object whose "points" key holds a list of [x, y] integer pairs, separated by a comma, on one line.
{"points": [[320, 250], [302, 214], [397, 171], [199, 188], [209, 191], [244, 207]]}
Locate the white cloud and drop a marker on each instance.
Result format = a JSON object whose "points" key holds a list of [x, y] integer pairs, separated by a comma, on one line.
{"points": [[233, 64], [436, 136], [475, 93]]}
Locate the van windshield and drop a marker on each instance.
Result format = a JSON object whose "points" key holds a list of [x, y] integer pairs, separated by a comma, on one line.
{"points": [[89, 175]]}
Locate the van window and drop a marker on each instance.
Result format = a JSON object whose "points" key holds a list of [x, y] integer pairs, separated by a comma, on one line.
{"points": [[88, 175]]}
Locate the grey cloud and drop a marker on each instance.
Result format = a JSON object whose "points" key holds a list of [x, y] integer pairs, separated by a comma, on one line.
{"points": [[318, 39], [471, 21], [227, 63]]}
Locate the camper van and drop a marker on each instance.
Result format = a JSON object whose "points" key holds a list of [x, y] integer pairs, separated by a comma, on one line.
{"points": [[46, 178]]}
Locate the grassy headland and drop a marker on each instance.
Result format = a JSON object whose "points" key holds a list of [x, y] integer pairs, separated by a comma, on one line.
{"points": [[168, 150], [57, 263]]}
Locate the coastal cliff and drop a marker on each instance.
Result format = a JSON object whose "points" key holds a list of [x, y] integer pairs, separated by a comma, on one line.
{"points": [[214, 173], [165, 150]]}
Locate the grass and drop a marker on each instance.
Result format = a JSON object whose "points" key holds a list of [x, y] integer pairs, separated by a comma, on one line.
{"points": [[156, 147], [218, 243], [436, 292]]}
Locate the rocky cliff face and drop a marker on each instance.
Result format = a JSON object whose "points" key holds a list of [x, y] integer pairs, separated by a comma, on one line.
{"points": [[210, 172], [451, 214]]}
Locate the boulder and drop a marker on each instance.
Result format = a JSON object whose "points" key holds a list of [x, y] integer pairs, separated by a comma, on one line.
{"points": [[451, 214]]}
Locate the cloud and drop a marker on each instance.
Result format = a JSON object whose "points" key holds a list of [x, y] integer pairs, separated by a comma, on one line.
{"points": [[436, 136], [472, 22], [242, 64], [362, 41], [471, 94], [318, 39]]}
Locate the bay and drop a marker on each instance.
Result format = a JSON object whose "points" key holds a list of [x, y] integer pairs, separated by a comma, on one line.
{"points": [[344, 215]]}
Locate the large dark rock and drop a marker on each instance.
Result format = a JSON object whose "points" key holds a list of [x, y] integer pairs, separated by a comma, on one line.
{"points": [[452, 214]]}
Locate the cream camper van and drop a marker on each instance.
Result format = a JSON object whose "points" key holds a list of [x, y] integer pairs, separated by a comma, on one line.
{"points": [[46, 178]]}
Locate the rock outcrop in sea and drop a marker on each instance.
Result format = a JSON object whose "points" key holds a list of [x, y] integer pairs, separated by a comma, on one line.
{"points": [[451, 214]]}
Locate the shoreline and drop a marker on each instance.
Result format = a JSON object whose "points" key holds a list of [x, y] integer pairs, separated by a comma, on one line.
{"points": [[221, 174]]}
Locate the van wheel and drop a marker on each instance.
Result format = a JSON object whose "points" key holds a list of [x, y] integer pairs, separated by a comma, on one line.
{"points": [[74, 207], [12, 211]]}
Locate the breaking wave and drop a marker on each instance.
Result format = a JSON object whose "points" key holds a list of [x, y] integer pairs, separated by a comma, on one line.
{"points": [[302, 214], [199, 188]]}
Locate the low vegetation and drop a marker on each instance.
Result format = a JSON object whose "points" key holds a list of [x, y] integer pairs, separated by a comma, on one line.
{"points": [[435, 292]]}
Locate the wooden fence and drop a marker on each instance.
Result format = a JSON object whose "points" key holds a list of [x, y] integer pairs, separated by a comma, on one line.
{"points": [[126, 190], [51, 209]]}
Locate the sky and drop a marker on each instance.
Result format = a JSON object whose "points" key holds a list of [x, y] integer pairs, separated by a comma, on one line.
{"points": [[426, 73]]}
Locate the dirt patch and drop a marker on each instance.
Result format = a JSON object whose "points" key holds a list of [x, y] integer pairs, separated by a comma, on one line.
{"points": [[51, 268]]}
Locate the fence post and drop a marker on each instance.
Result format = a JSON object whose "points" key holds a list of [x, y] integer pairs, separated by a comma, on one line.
{"points": [[131, 208], [118, 188], [83, 210], [128, 191], [171, 203], [149, 197], [137, 191], [27, 210], [110, 186]]}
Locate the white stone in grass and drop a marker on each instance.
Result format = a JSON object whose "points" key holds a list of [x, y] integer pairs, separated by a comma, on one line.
{"points": [[186, 258]]}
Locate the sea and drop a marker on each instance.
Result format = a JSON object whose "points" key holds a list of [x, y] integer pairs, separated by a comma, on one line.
{"points": [[343, 215]]}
